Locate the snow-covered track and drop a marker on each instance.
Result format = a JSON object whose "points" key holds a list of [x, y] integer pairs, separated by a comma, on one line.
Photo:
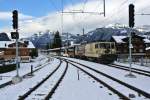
{"points": [[135, 70], [121, 96], [5, 84], [10, 82], [47, 86], [39, 84], [102, 82], [56, 85], [137, 90]]}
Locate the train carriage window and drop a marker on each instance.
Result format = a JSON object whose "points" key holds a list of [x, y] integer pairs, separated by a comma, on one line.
{"points": [[96, 46], [99, 45], [102, 45], [107, 45]]}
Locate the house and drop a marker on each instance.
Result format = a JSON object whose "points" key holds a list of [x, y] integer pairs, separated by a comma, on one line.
{"points": [[8, 50], [139, 44]]}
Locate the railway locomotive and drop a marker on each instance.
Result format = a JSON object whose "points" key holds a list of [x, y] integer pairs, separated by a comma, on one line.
{"points": [[101, 52]]}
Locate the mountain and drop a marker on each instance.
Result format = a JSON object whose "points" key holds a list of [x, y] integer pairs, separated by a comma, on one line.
{"points": [[105, 34], [144, 28], [42, 39], [67, 38], [4, 37], [100, 34]]}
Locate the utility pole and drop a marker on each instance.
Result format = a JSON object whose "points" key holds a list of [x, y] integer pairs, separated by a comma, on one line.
{"points": [[130, 52], [62, 9], [104, 9], [83, 31], [67, 43], [17, 62]]}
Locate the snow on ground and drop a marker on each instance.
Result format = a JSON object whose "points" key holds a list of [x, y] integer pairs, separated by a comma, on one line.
{"points": [[141, 82], [134, 66], [71, 88], [123, 89], [24, 68], [45, 88], [12, 92], [83, 89]]}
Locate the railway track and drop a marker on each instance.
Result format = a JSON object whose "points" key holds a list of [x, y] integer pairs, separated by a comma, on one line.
{"points": [[135, 70], [49, 95], [29, 94], [10, 82], [125, 85]]}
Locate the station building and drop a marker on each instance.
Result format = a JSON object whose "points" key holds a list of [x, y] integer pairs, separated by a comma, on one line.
{"points": [[139, 45], [8, 50]]}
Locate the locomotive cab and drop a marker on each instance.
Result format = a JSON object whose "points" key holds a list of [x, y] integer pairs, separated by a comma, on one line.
{"points": [[102, 52]]}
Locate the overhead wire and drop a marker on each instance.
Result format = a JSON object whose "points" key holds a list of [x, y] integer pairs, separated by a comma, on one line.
{"points": [[71, 14], [83, 8], [76, 23], [115, 13], [84, 4], [108, 18], [118, 11], [86, 17], [62, 8], [79, 23]]}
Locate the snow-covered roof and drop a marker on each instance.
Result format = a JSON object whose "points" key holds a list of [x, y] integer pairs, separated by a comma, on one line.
{"points": [[75, 44], [146, 40], [148, 48], [119, 39], [31, 46], [4, 44]]}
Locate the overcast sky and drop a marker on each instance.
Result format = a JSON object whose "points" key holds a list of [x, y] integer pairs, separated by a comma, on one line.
{"points": [[42, 15]]}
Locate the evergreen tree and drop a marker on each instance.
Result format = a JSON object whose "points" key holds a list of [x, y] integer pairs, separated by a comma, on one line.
{"points": [[47, 46], [57, 40], [34, 53]]}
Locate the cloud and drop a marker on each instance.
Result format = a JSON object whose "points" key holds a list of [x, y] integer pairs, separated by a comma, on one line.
{"points": [[8, 16], [116, 12]]}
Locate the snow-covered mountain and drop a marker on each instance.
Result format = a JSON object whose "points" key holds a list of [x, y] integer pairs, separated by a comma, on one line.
{"points": [[105, 34], [40, 40], [144, 28], [100, 34], [4, 37]]}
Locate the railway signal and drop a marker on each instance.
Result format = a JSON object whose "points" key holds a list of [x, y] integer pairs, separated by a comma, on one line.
{"points": [[15, 19], [131, 15], [131, 25], [15, 35]]}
